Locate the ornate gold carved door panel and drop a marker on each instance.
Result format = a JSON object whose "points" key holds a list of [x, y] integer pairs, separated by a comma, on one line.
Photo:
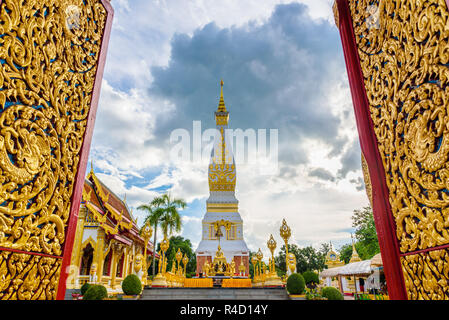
{"points": [[399, 76], [51, 63]]}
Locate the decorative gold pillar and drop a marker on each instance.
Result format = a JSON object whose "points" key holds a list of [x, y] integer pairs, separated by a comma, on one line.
{"points": [[285, 233], [117, 250], [160, 279], [76, 251], [185, 260], [99, 253], [273, 279], [146, 233]]}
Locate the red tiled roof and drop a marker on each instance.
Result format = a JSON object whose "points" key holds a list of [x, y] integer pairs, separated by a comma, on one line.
{"points": [[124, 235]]}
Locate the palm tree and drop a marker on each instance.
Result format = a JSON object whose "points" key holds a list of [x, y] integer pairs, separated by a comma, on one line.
{"points": [[171, 219], [164, 210]]}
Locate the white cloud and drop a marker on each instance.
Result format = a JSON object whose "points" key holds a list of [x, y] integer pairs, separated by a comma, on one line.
{"points": [[133, 156]]}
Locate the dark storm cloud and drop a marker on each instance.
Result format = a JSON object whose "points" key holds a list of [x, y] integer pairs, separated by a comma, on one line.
{"points": [[351, 159], [359, 183], [276, 76], [322, 174]]}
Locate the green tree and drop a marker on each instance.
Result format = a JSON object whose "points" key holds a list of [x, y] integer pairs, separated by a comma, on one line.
{"points": [[154, 214], [365, 232], [186, 248], [163, 211], [307, 259], [171, 219]]}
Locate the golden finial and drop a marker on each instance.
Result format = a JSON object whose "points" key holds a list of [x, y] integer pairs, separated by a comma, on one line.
{"points": [[221, 104], [91, 166], [355, 256]]}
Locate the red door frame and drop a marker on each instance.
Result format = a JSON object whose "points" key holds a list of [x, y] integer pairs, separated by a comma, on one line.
{"points": [[383, 218], [84, 155]]}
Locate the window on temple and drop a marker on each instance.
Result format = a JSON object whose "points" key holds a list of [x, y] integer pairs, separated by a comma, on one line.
{"points": [[120, 266], [107, 264], [231, 233], [212, 232], [86, 260]]}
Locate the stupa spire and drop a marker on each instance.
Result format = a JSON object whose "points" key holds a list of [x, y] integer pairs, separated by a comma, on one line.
{"points": [[355, 256], [221, 115], [221, 104]]}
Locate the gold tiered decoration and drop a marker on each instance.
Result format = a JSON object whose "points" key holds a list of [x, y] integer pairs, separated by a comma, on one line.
{"points": [[290, 258], [222, 176], [49, 53], [272, 278], [404, 62], [259, 269], [219, 266], [174, 278], [147, 231]]}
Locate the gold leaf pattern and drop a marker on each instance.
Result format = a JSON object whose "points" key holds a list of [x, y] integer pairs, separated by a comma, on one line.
{"points": [[426, 275], [49, 52], [28, 277], [404, 57]]}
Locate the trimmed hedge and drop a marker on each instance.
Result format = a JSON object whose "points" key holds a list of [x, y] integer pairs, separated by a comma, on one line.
{"points": [[311, 278], [331, 293], [96, 292], [131, 285], [295, 284], [84, 288]]}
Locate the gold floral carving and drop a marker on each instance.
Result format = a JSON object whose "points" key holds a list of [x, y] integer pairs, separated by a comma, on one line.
{"points": [[404, 56], [426, 275], [367, 179], [336, 15], [48, 61], [28, 277]]}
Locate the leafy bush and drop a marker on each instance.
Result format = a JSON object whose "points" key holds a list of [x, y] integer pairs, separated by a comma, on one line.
{"points": [[331, 293], [84, 288], [131, 285], [96, 292], [311, 278], [313, 294], [295, 284]]}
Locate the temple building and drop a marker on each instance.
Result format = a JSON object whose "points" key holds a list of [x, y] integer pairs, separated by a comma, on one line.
{"points": [[107, 245], [222, 225]]}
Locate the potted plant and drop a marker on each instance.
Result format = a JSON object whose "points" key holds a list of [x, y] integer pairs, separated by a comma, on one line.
{"points": [[132, 287]]}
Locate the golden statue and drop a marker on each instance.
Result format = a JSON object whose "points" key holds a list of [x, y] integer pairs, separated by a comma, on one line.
{"points": [[219, 257], [232, 268], [206, 269], [291, 262], [138, 263], [173, 267], [93, 273], [242, 268]]}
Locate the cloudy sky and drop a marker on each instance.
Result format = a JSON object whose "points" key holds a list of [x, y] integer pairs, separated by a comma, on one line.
{"points": [[283, 68]]}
